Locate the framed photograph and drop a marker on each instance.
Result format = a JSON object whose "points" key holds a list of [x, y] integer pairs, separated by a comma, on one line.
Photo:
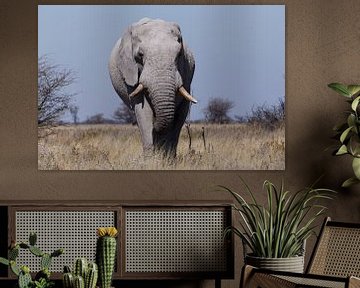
{"points": [[161, 87]]}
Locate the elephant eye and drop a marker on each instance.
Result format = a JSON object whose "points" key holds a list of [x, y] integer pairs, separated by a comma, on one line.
{"points": [[179, 39], [139, 57]]}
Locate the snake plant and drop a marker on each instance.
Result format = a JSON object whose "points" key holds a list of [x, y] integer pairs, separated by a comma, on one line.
{"points": [[348, 132], [279, 228]]}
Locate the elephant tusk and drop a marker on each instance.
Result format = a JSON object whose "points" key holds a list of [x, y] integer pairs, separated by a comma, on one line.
{"points": [[186, 95], [138, 89]]}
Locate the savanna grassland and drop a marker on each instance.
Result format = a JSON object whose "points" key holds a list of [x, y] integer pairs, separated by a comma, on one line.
{"points": [[118, 147]]}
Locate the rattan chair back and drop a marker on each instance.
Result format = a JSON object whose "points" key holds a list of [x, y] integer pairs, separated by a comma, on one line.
{"points": [[337, 252]]}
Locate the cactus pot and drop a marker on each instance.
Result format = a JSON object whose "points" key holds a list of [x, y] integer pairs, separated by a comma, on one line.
{"points": [[291, 264]]}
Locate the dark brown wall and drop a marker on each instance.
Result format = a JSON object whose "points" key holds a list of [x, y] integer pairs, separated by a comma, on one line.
{"points": [[322, 46]]}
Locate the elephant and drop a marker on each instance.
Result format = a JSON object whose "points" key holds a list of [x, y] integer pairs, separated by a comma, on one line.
{"points": [[151, 69]]}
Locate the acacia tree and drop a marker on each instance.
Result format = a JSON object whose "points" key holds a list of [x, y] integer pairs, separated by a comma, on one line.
{"points": [[53, 97], [124, 115], [217, 110]]}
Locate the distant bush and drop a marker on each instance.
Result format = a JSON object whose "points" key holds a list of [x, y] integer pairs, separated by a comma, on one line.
{"points": [[270, 116], [217, 110], [98, 119], [124, 115]]}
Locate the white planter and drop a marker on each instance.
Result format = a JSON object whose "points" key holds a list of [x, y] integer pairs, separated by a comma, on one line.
{"points": [[291, 264]]}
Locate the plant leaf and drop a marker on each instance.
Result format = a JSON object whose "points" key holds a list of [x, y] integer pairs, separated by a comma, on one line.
{"points": [[353, 89], [342, 150], [349, 182], [14, 268], [340, 88], [355, 103], [4, 261], [354, 145], [356, 167], [345, 134], [351, 120]]}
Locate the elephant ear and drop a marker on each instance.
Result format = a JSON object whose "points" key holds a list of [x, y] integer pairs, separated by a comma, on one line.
{"points": [[127, 64], [187, 67]]}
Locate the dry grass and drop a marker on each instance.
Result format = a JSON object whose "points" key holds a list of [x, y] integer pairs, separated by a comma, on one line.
{"points": [[118, 147]]}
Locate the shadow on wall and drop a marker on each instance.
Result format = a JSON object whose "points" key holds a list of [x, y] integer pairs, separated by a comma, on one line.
{"points": [[333, 169], [3, 241], [313, 159]]}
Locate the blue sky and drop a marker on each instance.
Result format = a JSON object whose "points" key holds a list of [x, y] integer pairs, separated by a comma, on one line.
{"points": [[239, 50]]}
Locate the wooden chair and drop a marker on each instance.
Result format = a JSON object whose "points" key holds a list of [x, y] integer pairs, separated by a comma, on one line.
{"points": [[335, 262]]}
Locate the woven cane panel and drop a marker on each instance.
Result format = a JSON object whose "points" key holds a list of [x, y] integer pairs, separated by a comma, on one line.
{"points": [[74, 231], [175, 241], [338, 253], [309, 282], [268, 280]]}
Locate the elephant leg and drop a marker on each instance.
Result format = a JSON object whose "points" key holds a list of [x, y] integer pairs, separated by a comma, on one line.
{"points": [[180, 117], [144, 117]]}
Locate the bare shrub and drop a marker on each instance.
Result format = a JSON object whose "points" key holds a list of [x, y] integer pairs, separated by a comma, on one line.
{"points": [[269, 116], [98, 119], [217, 110], [124, 115], [53, 98]]}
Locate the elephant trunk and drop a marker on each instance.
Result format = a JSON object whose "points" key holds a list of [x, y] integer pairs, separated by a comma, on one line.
{"points": [[162, 95]]}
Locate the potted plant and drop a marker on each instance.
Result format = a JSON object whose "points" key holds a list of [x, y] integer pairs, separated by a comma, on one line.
{"points": [[87, 274], [276, 233], [348, 132], [84, 274], [42, 278]]}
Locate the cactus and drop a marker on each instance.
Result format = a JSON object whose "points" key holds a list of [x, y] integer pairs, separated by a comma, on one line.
{"points": [[32, 238], [24, 278], [24, 245], [105, 254], [45, 261], [91, 276], [13, 253], [68, 280], [25, 269], [87, 272], [80, 267], [57, 252], [14, 268], [44, 273], [36, 251], [67, 269], [79, 282], [4, 261]]}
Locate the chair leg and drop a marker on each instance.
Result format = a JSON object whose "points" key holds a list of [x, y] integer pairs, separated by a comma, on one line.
{"points": [[246, 273]]}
